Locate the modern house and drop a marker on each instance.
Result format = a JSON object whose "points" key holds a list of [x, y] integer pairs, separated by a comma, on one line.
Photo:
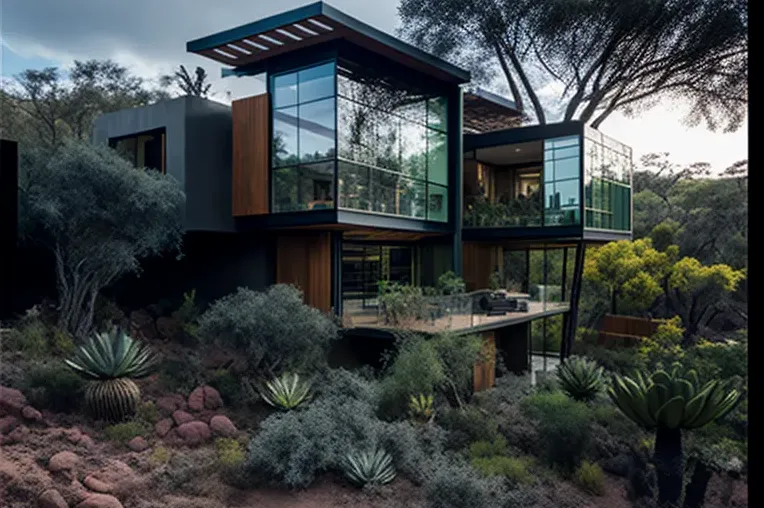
{"points": [[368, 160]]}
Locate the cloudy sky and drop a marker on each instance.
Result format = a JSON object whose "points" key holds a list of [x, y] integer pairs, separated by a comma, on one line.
{"points": [[149, 37]]}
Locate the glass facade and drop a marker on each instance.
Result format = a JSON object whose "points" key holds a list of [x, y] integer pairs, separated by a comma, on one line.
{"points": [[303, 150], [607, 179], [562, 181], [392, 147]]}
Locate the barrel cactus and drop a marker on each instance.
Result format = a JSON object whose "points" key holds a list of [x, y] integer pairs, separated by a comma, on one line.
{"points": [[110, 361], [581, 379], [667, 402]]}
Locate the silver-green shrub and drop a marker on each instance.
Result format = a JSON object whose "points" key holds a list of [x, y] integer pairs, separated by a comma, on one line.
{"points": [[460, 485]]}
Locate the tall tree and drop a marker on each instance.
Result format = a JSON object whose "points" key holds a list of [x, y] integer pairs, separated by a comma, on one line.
{"points": [[605, 55], [196, 85]]}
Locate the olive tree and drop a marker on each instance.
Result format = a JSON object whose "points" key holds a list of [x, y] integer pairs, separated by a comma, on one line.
{"points": [[99, 216]]}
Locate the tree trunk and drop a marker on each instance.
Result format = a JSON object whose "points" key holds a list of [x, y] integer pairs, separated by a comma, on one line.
{"points": [[669, 466], [695, 494]]}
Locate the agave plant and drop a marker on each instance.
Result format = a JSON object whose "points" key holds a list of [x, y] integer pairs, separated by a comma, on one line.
{"points": [[369, 467], [420, 408], [111, 361], [580, 378], [286, 392], [669, 402]]}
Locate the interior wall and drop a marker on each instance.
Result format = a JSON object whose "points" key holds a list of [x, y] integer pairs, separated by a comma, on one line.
{"points": [[479, 261]]}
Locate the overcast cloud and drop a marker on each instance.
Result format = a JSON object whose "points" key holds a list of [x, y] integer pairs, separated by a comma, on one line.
{"points": [[149, 37]]}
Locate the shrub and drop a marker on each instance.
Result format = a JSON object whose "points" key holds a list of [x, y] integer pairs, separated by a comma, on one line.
{"points": [[458, 486], [273, 328], [401, 302], [458, 355], [188, 315], [148, 413], [590, 477], [124, 432], [286, 392], [564, 426], [450, 284], [185, 469], [63, 342], [467, 425], [53, 386], [513, 469], [159, 455], [482, 449], [181, 374], [230, 452], [30, 336], [580, 379], [420, 408]]}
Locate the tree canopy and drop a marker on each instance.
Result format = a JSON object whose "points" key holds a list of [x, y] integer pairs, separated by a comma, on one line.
{"points": [[604, 55], [196, 85], [98, 216]]}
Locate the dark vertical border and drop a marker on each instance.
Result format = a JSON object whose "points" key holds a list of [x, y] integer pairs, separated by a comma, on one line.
{"points": [[571, 321], [336, 239], [456, 163], [9, 213]]}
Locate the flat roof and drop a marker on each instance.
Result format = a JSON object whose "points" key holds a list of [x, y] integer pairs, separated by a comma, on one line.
{"points": [[486, 111], [310, 25]]}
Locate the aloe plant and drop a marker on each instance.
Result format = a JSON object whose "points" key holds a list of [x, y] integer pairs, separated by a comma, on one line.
{"points": [[369, 467], [668, 402], [110, 361], [286, 392], [581, 379], [420, 408]]}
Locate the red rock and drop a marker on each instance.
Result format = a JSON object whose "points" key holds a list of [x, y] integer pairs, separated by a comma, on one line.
{"points": [[212, 398], [51, 498], [100, 501], [9, 472], [162, 427], [194, 433], [30, 413], [86, 441], [205, 416], [181, 417], [196, 399], [73, 435], [12, 401], [204, 397], [63, 461], [8, 423], [97, 485], [137, 444], [17, 435], [222, 426], [170, 403]]}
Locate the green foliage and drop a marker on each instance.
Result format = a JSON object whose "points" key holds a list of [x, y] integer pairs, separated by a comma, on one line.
{"points": [[147, 412], [401, 303], [160, 455], [369, 467], [458, 486], [113, 355], [229, 385], [183, 373], [672, 399], [514, 469], [230, 452], [420, 408], [725, 360], [125, 431], [188, 314], [564, 426], [590, 477], [450, 284], [275, 329], [286, 392], [29, 337], [664, 234], [665, 345], [483, 449], [53, 386], [552, 341], [580, 379], [467, 425], [458, 355]]}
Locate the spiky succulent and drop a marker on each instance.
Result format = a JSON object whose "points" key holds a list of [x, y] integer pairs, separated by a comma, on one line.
{"points": [[110, 361], [369, 467], [420, 407], [580, 378], [286, 392], [672, 399]]}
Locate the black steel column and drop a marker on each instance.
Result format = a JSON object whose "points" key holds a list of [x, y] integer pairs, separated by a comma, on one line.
{"points": [[456, 162], [336, 240], [571, 320]]}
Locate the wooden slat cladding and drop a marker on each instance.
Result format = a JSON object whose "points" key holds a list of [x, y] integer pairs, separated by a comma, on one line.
{"points": [[484, 375], [305, 260], [478, 263], [250, 155]]}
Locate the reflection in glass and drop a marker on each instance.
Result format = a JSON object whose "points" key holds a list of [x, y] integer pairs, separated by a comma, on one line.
{"points": [[437, 203], [357, 136], [567, 168], [285, 90], [316, 82], [285, 189], [354, 186], [307, 187], [607, 187], [384, 196], [284, 148], [317, 130], [437, 157], [414, 149], [387, 149], [437, 113], [412, 198]]}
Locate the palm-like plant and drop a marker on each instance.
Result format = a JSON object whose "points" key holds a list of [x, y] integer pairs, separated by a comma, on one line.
{"points": [[369, 467], [111, 361], [580, 378], [669, 402], [286, 392], [420, 408]]}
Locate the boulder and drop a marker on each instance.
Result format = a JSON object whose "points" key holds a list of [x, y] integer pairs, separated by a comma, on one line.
{"points": [[181, 417], [204, 397], [74, 435], [170, 403], [100, 501], [9, 472], [12, 401], [17, 435], [7, 424], [114, 476], [63, 461], [137, 444], [31, 414], [86, 442], [97, 485], [222, 426], [194, 433], [51, 498], [162, 427]]}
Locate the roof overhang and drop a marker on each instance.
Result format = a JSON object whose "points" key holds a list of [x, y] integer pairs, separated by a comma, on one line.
{"points": [[311, 25], [485, 112]]}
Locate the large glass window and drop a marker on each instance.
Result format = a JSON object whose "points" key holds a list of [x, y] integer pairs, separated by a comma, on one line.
{"points": [[303, 147], [392, 147], [607, 182], [562, 166], [145, 150]]}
